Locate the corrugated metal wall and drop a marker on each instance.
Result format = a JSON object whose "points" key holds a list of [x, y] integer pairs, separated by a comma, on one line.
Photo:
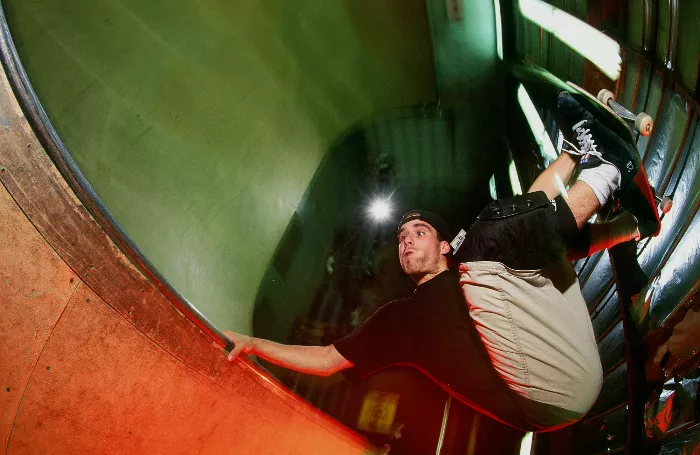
{"points": [[661, 59]]}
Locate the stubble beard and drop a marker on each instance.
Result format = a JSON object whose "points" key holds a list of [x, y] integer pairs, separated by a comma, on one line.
{"points": [[411, 267], [416, 266]]}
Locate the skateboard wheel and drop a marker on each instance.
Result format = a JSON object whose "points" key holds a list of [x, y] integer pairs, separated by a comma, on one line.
{"points": [[644, 123], [606, 95], [666, 204]]}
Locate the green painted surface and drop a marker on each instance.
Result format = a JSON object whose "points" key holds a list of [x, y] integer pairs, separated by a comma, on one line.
{"points": [[201, 124], [465, 44]]}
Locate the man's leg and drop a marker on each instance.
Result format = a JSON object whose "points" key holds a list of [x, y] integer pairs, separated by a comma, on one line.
{"points": [[600, 177], [583, 202], [556, 176], [596, 236]]}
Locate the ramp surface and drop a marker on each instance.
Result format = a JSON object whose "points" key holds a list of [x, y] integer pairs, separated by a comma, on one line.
{"points": [[94, 359]]}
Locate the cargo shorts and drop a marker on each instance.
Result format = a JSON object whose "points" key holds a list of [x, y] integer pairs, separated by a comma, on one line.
{"points": [[526, 303]]}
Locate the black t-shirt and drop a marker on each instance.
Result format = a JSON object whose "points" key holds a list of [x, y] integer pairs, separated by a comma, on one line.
{"points": [[432, 331]]}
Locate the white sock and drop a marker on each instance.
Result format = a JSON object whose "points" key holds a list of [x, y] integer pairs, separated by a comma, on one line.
{"points": [[604, 180]]}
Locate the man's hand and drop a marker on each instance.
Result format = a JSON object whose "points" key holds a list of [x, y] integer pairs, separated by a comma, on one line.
{"points": [[243, 344], [317, 360]]}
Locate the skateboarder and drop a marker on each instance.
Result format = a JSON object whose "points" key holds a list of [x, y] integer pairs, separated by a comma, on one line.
{"points": [[508, 333]]}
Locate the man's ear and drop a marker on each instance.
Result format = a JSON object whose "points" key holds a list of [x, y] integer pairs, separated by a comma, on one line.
{"points": [[444, 247]]}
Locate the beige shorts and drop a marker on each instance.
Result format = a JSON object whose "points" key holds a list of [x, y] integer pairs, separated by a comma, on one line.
{"points": [[537, 331]]}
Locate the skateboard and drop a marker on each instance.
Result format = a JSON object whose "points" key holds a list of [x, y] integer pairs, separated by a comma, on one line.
{"points": [[638, 197]]}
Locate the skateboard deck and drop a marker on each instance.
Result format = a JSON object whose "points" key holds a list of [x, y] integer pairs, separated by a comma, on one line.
{"points": [[637, 197]]}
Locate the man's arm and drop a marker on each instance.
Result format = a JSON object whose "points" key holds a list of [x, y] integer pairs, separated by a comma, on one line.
{"points": [[605, 235], [316, 360]]}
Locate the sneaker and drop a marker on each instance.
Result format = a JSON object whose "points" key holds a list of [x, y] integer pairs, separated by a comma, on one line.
{"points": [[594, 141], [592, 135]]}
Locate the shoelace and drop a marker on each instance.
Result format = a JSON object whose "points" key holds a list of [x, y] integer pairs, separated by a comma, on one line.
{"points": [[573, 150], [586, 142], [576, 151]]}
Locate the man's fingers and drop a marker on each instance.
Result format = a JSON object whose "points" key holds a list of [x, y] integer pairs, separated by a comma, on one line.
{"points": [[235, 351], [241, 344]]}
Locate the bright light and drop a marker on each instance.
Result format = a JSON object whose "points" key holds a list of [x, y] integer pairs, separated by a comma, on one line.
{"points": [[514, 180], [380, 209], [526, 444], [492, 187], [591, 43], [499, 34], [533, 119]]}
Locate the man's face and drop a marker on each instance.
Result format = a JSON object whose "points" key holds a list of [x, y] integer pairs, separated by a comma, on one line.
{"points": [[420, 250]]}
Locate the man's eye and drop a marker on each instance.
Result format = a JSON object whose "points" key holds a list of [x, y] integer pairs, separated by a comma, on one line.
{"points": [[421, 233]]}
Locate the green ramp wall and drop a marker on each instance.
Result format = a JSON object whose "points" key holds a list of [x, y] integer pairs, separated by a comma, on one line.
{"points": [[201, 124]]}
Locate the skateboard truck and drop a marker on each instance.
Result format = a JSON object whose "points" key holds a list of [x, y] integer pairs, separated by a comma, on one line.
{"points": [[642, 121]]}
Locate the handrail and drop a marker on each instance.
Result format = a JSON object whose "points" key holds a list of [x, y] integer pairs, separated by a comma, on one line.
{"points": [[56, 150]]}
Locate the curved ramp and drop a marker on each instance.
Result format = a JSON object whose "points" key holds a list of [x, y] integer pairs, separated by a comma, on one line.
{"points": [[184, 115], [95, 359]]}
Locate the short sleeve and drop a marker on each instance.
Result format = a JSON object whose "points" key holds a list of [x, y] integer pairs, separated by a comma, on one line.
{"points": [[383, 340]]}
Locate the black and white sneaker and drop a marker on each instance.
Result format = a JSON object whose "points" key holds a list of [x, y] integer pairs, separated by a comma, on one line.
{"points": [[595, 142]]}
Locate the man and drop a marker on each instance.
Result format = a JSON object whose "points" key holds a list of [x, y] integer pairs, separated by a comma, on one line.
{"points": [[522, 348]]}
